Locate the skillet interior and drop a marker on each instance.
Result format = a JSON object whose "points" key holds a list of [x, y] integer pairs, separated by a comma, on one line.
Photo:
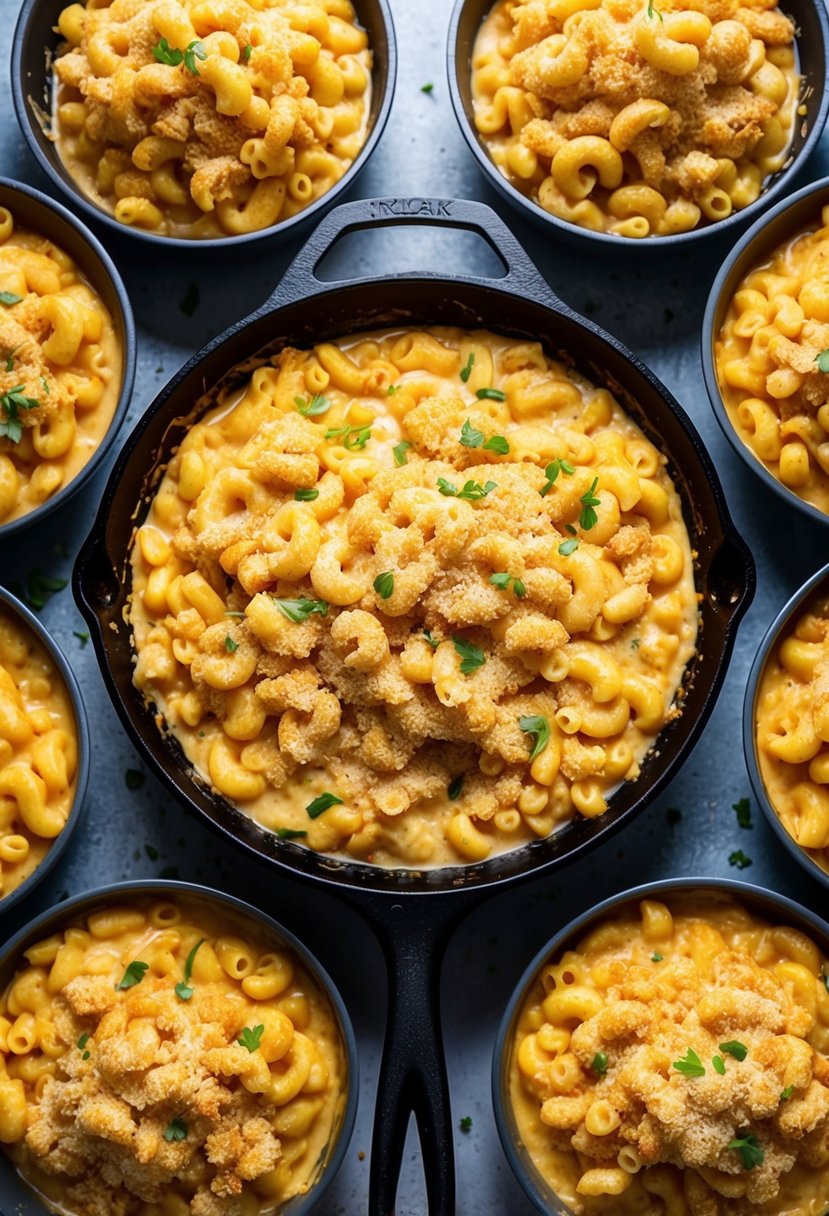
{"points": [[724, 571]]}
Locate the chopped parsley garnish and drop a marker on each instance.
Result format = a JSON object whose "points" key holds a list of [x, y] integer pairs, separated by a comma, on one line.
{"points": [[551, 473], [454, 788], [471, 437], [299, 610], [399, 452], [472, 490], [734, 1048], [538, 725], [822, 359], [354, 438], [742, 810], [384, 584], [599, 1064], [311, 409], [289, 834], [786, 1093], [427, 88], [10, 360], [230, 646], [39, 588], [567, 547], [81, 1045], [588, 517], [322, 804], [245, 55], [11, 403], [435, 642], [392, 389], [502, 582], [175, 1130], [739, 859], [719, 1065], [690, 1065], [490, 394], [183, 989], [653, 12], [231, 612], [466, 1124], [45, 386], [466, 370], [8, 298], [749, 1148], [165, 53], [251, 1037], [305, 496], [133, 975], [471, 656], [635, 643], [190, 300], [83, 638], [657, 958]]}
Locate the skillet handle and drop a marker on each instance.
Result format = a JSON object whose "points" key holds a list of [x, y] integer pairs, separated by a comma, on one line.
{"points": [[413, 1077], [522, 276]]}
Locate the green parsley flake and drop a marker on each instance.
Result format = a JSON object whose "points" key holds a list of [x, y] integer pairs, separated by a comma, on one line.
{"points": [[251, 1037], [384, 584], [82, 637], [304, 496], [588, 517], [749, 1148], [538, 725], [175, 1130], [454, 788], [551, 473], [183, 988], [311, 409], [245, 55], [472, 490], [399, 452], [657, 958], [230, 646], [354, 438], [466, 370], [599, 1064], [431, 639], [81, 1045], [11, 403], [299, 610], [822, 360], [739, 859], [690, 1065], [289, 834], [786, 1093], [719, 1065], [734, 1048], [322, 804], [490, 394], [427, 88], [133, 975], [502, 582], [567, 547], [8, 298], [742, 810], [471, 656], [466, 1124]]}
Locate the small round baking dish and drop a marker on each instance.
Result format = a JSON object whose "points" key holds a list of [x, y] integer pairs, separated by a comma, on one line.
{"points": [[786, 220], [53, 221], [33, 49], [713, 891], [813, 590], [17, 1195], [812, 43], [28, 620]]}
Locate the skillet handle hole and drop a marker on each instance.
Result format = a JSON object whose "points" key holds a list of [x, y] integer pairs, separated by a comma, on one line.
{"points": [[728, 577], [357, 254]]}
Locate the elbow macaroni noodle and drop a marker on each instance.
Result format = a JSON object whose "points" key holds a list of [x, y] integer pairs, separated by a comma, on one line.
{"points": [[636, 117], [611, 1123], [766, 356], [792, 732], [206, 118], [38, 753], [137, 1101], [368, 695], [60, 369]]}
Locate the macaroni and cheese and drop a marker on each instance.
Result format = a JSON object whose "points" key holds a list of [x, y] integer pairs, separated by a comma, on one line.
{"points": [[38, 752], [772, 361], [416, 596], [199, 118], [60, 369], [792, 731], [157, 1059], [676, 1062], [636, 117]]}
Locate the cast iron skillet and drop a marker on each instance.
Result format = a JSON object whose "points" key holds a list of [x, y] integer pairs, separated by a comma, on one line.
{"points": [[35, 211], [792, 215], [414, 929], [22, 1201], [9, 603], [805, 599], [812, 43], [766, 904], [35, 41]]}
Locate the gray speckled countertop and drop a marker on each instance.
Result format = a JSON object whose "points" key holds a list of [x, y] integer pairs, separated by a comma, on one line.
{"points": [[655, 305]]}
